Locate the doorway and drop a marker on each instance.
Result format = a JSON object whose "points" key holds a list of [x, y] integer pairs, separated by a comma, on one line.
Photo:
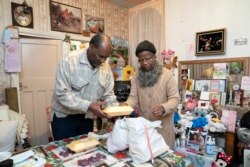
{"points": [[39, 59]]}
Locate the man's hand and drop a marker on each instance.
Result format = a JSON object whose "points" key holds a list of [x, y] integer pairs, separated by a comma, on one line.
{"points": [[95, 108], [158, 110]]}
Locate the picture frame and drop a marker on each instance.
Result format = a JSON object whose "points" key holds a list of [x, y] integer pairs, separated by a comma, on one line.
{"points": [[65, 18], [210, 42], [184, 76], [203, 104], [94, 24], [22, 15], [218, 85], [214, 98], [210, 85], [197, 141], [246, 98], [202, 85]]}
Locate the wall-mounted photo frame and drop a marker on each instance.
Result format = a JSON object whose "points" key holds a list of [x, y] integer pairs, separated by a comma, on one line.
{"points": [[94, 24], [65, 18], [210, 42], [22, 15]]}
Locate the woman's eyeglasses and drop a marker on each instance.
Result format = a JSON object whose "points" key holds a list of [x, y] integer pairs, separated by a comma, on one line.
{"points": [[148, 59]]}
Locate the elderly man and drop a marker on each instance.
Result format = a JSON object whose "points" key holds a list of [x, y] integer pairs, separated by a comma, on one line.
{"points": [[154, 91], [83, 81]]}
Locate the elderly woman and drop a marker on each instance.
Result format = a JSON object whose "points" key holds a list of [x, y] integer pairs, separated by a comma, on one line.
{"points": [[154, 91]]}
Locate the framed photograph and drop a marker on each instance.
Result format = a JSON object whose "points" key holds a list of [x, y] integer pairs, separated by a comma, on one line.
{"points": [[184, 76], [202, 85], [210, 42], [218, 85], [204, 104], [197, 140], [214, 98], [246, 98], [22, 15], [94, 24], [210, 85], [196, 94], [65, 18]]}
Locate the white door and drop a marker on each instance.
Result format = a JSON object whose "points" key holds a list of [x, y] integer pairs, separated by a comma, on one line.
{"points": [[39, 59]]}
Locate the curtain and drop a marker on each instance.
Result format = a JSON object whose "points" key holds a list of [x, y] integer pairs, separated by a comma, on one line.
{"points": [[146, 22]]}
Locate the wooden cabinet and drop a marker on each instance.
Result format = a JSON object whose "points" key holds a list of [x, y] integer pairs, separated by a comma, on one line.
{"points": [[230, 146]]}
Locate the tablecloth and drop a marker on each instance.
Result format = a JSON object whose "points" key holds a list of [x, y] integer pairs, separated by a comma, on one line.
{"points": [[53, 152]]}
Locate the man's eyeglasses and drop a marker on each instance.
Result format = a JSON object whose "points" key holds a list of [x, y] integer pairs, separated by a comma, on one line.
{"points": [[148, 59]]}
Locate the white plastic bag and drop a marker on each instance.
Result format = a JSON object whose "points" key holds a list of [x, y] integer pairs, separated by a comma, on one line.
{"points": [[145, 143], [118, 139]]}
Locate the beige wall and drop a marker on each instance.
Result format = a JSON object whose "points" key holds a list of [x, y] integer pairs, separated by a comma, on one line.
{"points": [[115, 18]]}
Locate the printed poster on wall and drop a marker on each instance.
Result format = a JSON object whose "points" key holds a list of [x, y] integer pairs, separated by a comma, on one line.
{"points": [[12, 56]]}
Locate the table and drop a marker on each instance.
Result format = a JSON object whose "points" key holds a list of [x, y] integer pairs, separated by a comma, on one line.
{"points": [[53, 153]]}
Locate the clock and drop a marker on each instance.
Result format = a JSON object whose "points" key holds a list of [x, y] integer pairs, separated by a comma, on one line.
{"points": [[22, 15]]}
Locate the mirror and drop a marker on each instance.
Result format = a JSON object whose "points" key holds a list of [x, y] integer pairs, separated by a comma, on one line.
{"points": [[203, 69]]}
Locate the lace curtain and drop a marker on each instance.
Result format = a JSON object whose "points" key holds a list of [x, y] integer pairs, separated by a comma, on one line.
{"points": [[147, 22]]}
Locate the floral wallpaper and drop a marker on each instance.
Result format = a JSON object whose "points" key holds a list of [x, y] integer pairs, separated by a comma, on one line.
{"points": [[115, 23]]}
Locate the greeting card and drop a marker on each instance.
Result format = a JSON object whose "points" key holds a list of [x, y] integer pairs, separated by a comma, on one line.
{"points": [[220, 71], [215, 85], [190, 85], [229, 118], [214, 98]]}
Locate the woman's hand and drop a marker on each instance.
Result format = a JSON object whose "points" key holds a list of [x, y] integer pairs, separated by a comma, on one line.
{"points": [[158, 110]]}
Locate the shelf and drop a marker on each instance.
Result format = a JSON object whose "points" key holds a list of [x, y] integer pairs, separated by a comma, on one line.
{"points": [[51, 34]]}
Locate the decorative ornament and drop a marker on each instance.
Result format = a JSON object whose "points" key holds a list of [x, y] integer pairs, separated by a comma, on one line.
{"points": [[82, 45], [67, 39], [222, 160]]}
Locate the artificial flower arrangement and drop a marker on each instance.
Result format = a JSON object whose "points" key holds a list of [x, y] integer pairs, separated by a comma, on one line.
{"points": [[169, 59]]}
